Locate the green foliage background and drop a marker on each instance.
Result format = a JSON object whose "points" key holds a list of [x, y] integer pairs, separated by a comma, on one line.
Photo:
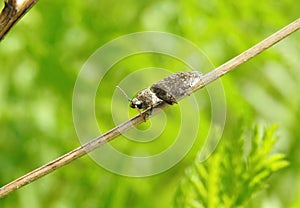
{"points": [[41, 57]]}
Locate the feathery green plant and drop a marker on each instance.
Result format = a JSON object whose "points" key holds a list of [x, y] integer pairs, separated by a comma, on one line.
{"points": [[233, 173]]}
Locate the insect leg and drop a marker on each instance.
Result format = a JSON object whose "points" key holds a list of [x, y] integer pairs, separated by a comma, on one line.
{"points": [[140, 112]]}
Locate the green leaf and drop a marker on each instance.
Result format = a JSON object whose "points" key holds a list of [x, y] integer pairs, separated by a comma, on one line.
{"points": [[232, 174]]}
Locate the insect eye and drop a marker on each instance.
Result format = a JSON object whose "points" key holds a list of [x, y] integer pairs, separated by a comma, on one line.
{"points": [[136, 104], [139, 106], [132, 105]]}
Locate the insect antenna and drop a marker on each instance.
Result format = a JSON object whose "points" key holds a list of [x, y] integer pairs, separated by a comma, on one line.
{"points": [[122, 91], [130, 100]]}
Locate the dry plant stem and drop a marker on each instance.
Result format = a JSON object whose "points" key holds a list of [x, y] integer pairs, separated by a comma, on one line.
{"points": [[13, 11], [113, 133]]}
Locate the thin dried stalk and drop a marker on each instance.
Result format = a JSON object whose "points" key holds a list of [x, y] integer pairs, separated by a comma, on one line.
{"points": [[115, 132]]}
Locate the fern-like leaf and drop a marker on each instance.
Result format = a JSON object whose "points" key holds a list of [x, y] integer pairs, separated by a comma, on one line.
{"points": [[232, 174]]}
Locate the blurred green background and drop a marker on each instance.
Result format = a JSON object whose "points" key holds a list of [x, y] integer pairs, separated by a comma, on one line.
{"points": [[42, 55]]}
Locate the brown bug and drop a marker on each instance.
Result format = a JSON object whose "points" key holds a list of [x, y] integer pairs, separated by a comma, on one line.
{"points": [[169, 90]]}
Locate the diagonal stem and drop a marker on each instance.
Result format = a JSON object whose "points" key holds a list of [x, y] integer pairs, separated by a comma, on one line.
{"points": [[118, 130]]}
